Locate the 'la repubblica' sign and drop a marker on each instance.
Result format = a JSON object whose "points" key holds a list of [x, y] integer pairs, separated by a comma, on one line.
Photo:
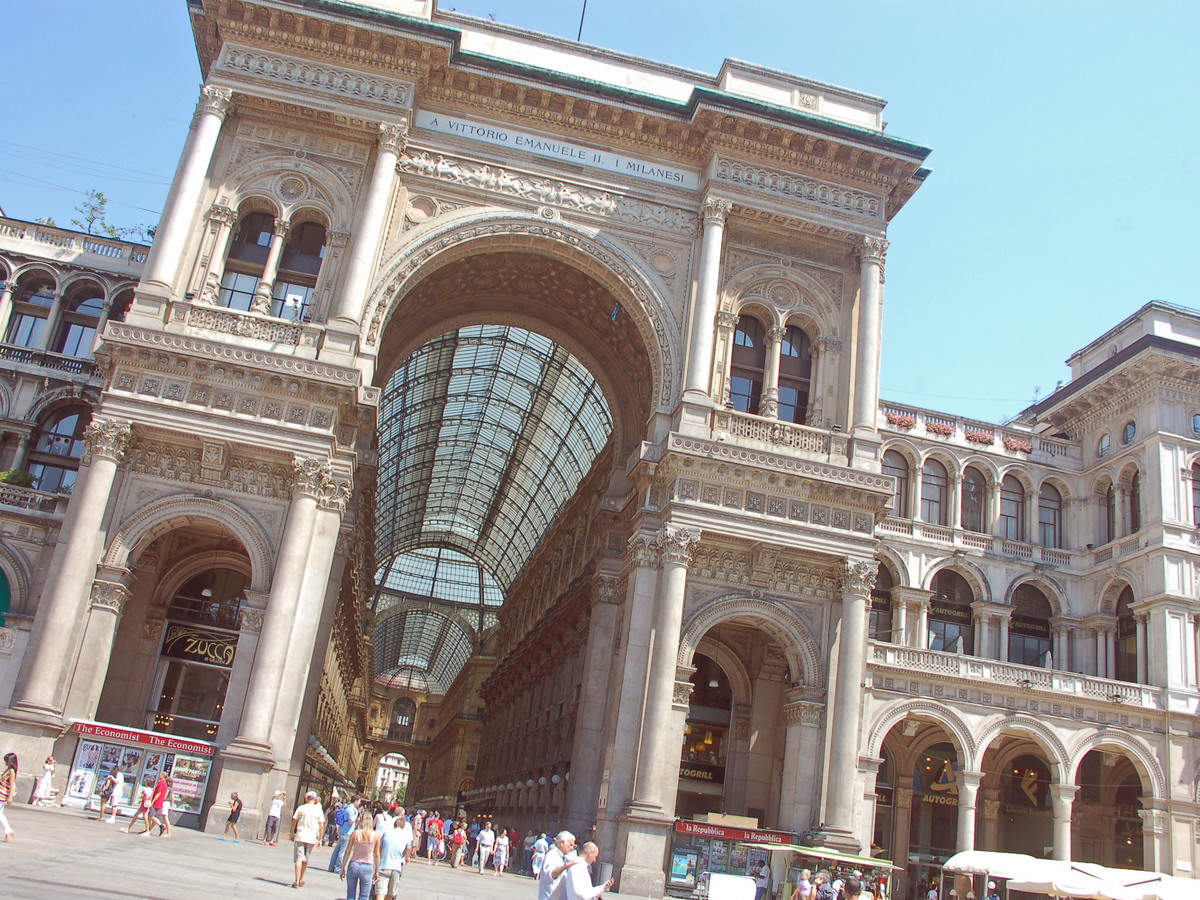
{"points": [[551, 147], [200, 645]]}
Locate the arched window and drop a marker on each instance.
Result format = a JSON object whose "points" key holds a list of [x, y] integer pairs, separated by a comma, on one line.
{"points": [[298, 270], [1029, 639], [1012, 509], [54, 458], [897, 466], [1196, 494], [1135, 503], [746, 370], [880, 628], [1127, 648], [404, 714], [247, 257], [795, 375], [120, 306], [1050, 517], [1108, 516], [934, 484], [80, 319], [974, 494], [702, 757], [31, 309], [951, 627]]}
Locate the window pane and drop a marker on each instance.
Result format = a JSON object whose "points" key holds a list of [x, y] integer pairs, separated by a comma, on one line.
{"points": [[27, 330], [933, 493], [77, 340], [895, 465], [51, 479], [972, 500], [237, 290], [291, 301], [1012, 509]]}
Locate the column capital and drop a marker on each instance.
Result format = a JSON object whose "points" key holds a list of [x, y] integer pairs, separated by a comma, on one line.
{"points": [[334, 492], [606, 589], [727, 319], [858, 575], [308, 474], [775, 334], [641, 550], [214, 101], [682, 694], [252, 619], [109, 595], [282, 228], [714, 210], [222, 214], [105, 438], [675, 544], [872, 250], [337, 239], [393, 136], [803, 712], [969, 781]]}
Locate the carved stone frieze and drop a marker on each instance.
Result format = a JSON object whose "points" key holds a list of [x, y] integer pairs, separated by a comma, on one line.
{"points": [[105, 438], [795, 187], [548, 192]]}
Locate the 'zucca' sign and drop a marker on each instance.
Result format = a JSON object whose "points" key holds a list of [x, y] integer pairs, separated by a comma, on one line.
{"points": [[199, 645]]}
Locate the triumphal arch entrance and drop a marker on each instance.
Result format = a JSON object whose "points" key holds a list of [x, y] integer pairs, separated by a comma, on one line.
{"points": [[501, 403]]}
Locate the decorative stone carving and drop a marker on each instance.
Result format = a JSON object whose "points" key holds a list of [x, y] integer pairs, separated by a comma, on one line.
{"points": [[222, 214], [310, 474], [874, 250], [393, 136], [305, 75], [548, 193], [675, 544], [217, 101], [334, 493], [727, 319], [252, 619], [642, 550], [803, 713], [106, 438], [151, 629], [682, 694], [607, 589], [795, 187], [715, 210], [109, 596], [858, 576]]}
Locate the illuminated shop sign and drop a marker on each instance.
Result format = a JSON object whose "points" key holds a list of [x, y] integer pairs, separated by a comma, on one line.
{"points": [[193, 644]]}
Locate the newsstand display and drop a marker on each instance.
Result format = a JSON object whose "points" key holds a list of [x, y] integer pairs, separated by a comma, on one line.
{"points": [[699, 849]]}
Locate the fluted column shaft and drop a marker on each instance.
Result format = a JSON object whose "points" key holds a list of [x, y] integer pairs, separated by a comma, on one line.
{"points": [[870, 311], [843, 745], [369, 228], [68, 585], [700, 352], [275, 638], [769, 406], [162, 264], [660, 742]]}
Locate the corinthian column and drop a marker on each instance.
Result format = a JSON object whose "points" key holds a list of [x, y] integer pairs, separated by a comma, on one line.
{"points": [[700, 355], [769, 405], [348, 305], [207, 282], [167, 250], [870, 304], [262, 294], [857, 578], [660, 743], [68, 586], [275, 638]]}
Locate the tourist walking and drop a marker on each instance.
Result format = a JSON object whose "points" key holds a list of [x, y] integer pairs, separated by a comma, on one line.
{"points": [[395, 849], [487, 843], [110, 792], [235, 813], [346, 821], [308, 824], [142, 812], [500, 857], [558, 860], [578, 879], [8, 787], [271, 833], [458, 845], [360, 868], [540, 846], [164, 828], [43, 791]]}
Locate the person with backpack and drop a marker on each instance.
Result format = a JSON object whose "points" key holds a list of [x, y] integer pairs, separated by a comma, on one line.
{"points": [[345, 820]]}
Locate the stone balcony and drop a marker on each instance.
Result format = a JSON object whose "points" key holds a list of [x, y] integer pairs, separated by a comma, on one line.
{"points": [[984, 543], [39, 362], [27, 501], [1010, 442], [991, 682], [762, 433], [73, 247]]}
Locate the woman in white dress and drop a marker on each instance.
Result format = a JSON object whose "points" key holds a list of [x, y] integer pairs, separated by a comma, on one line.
{"points": [[43, 791], [500, 858]]}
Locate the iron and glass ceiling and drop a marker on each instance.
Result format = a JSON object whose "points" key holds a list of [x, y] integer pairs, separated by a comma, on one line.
{"points": [[485, 434]]}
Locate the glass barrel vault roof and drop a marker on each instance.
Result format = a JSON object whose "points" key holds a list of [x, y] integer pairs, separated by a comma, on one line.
{"points": [[485, 433]]}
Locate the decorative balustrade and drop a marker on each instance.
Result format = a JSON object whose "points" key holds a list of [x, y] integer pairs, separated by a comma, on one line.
{"points": [[284, 333], [987, 543], [1005, 674], [771, 434], [62, 239], [979, 435], [13, 496], [57, 361]]}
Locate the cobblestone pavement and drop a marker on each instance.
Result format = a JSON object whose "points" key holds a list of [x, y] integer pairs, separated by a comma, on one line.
{"points": [[63, 853]]}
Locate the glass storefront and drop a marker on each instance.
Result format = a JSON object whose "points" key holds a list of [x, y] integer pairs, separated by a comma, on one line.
{"points": [[705, 741], [933, 824]]}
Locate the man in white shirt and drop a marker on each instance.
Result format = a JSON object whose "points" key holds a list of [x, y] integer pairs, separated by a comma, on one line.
{"points": [[308, 824], [273, 814], [558, 858], [383, 821], [578, 882], [394, 846], [486, 844]]}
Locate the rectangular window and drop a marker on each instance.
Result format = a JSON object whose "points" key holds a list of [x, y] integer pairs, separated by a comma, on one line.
{"points": [[946, 636], [27, 330], [51, 479], [78, 340], [237, 290], [1012, 517], [291, 301], [933, 501], [744, 393], [1048, 527]]}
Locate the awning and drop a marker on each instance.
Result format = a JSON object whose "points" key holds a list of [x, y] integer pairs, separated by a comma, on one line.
{"points": [[860, 862], [1056, 878]]}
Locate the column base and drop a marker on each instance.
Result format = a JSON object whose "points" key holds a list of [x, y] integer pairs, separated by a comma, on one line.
{"points": [[245, 767], [692, 414], [641, 852], [839, 839], [149, 306], [33, 733], [340, 342]]}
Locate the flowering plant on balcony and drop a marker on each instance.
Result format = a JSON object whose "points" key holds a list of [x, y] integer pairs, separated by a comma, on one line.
{"points": [[1017, 444], [975, 436], [945, 429], [901, 420]]}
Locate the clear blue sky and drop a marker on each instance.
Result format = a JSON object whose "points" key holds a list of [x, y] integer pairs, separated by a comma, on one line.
{"points": [[1064, 192]]}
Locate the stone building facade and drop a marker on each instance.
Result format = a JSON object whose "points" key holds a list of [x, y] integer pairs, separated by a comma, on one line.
{"points": [[558, 369]]}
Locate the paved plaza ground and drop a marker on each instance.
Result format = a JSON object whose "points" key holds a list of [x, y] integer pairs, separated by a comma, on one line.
{"points": [[61, 853]]}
